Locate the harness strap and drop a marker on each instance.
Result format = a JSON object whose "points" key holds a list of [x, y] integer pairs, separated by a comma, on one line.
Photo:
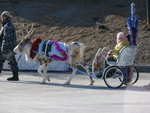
{"points": [[46, 47]]}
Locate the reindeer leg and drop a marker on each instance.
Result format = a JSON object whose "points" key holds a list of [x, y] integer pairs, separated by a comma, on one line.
{"points": [[45, 67], [87, 70], [92, 81], [69, 80], [41, 73]]}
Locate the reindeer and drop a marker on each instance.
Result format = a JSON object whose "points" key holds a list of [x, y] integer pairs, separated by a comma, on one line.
{"points": [[74, 52]]}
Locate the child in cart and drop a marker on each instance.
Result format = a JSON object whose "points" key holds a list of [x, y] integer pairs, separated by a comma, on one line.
{"points": [[99, 60], [121, 42]]}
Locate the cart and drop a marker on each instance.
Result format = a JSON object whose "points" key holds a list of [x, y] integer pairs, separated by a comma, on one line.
{"points": [[121, 72]]}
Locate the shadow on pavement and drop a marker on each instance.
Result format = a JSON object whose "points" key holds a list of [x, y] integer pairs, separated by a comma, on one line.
{"points": [[129, 88], [138, 88]]}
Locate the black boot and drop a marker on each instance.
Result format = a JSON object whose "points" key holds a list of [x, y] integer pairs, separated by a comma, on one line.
{"points": [[0, 71], [14, 78], [1, 67]]}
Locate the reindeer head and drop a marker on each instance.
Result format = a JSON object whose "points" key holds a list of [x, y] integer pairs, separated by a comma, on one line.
{"points": [[25, 34]]}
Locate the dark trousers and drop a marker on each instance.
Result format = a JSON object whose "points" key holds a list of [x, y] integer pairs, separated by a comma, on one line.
{"points": [[10, 57]]}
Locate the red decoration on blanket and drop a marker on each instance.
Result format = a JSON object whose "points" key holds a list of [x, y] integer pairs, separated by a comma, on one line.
{"points": [[62, 52], [35, 46]]}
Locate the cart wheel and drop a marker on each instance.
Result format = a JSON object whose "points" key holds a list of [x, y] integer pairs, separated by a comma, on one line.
{"points": [[113, 77], [134, 76]]}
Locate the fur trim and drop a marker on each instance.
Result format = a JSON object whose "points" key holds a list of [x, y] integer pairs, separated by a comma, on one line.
{"points": [[63, 53], [35, 46]]}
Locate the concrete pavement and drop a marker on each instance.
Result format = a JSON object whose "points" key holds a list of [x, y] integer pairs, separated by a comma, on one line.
{"points": [[29, 96]]}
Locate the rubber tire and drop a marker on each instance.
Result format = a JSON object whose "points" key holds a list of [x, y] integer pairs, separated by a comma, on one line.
{"points": [[105, 77]]}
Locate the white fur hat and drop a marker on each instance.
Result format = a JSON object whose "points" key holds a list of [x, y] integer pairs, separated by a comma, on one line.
{"points": [[6, 13], [120, 34]]}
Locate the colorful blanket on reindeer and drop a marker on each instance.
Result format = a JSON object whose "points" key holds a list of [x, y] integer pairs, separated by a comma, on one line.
{"points": [[53, 49]]}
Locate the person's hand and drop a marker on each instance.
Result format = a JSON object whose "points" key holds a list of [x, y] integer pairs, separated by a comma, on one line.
{"points": [[110, 52]]}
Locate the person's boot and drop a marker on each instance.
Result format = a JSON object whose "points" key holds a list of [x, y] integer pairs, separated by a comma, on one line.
{"points": [[0, 71], [14, 78], [1, 67]]}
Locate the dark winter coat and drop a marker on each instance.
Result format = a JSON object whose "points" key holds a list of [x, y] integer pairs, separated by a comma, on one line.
{"points": [[8, 36]]}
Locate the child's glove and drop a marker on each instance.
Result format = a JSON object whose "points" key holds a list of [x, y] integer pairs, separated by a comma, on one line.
{"points": [[109, 53]]}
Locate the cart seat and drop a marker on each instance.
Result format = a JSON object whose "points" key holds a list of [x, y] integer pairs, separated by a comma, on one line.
{"points": [[125, 58]]}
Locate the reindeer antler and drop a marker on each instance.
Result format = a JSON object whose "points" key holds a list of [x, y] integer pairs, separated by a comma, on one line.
{"points": [[20, 33], [25, 31], [29, 30]]}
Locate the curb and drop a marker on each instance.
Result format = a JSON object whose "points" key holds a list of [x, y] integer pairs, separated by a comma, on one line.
{"points": [[143, 69]]}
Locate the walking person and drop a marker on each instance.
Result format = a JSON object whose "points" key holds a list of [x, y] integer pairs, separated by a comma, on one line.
{"points": [[0, 46], [8, 37]]}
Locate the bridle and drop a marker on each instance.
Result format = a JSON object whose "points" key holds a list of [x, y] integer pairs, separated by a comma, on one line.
{"points": [[21, 45]]}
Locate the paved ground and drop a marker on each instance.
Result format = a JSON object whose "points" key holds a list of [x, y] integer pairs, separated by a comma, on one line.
{"points": [[28, 96]]}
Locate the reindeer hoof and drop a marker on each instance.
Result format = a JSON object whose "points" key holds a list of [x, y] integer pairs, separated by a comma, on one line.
{"points": [[48, 79], [92, 82], [43, 82], [67, 83]]}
